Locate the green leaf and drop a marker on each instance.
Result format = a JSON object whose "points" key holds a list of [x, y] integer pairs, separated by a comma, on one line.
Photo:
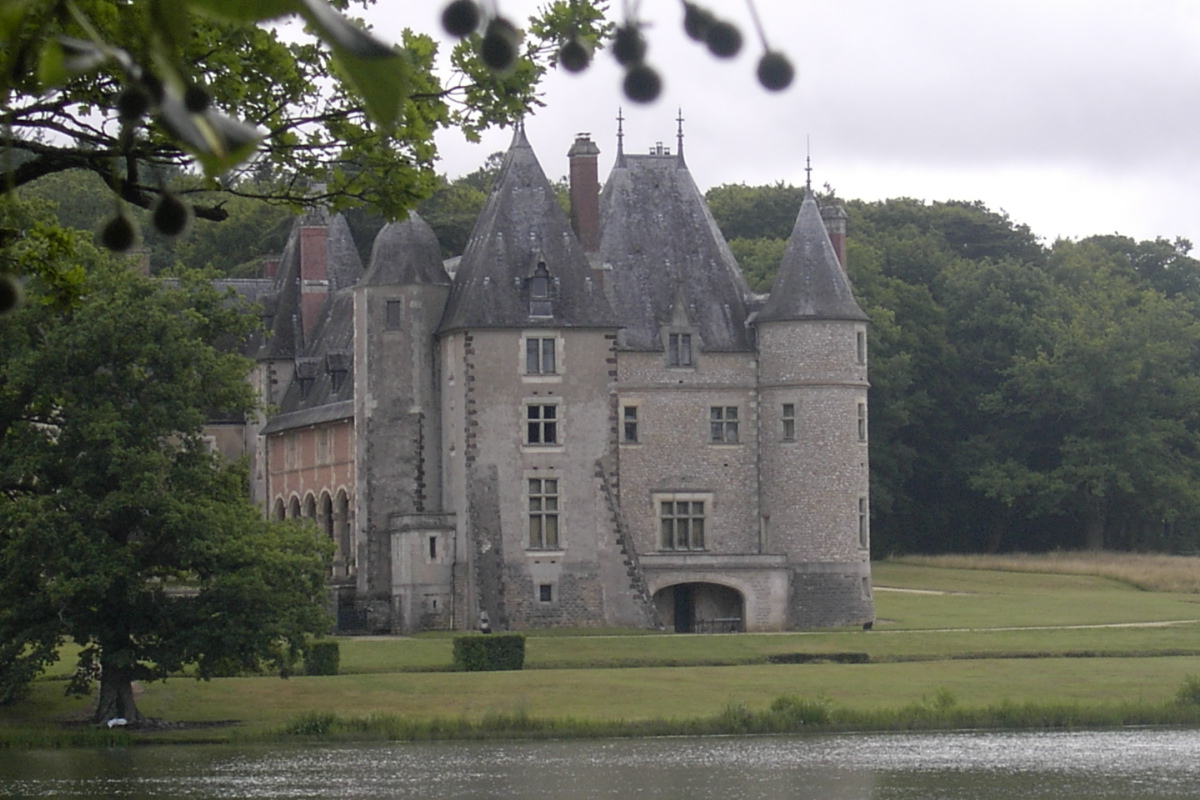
{"points": [[218, 142], [342, 34], [245, 10], [383, 83], [11, 14]]}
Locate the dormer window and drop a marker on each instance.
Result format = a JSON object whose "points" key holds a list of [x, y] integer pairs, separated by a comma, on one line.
{"points": [[540, 304], [679, 350]]}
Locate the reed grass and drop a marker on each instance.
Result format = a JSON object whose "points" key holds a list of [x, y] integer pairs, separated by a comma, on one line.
{"points": [[1149, 572]]}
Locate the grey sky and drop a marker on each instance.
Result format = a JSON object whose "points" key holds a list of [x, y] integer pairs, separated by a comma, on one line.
{"points": [[1074, 116]]}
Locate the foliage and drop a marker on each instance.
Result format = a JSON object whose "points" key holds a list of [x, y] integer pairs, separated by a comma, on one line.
{"points": [[504, 651], [119, 530], [322, 658]]}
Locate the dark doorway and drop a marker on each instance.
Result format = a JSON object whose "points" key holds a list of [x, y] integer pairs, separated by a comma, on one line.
{"points": [[685, 608]]}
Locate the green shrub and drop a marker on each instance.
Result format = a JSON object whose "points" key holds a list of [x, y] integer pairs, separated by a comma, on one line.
{"points": [[489, 653], [791, 711], [1189, 693], [322, 659]]}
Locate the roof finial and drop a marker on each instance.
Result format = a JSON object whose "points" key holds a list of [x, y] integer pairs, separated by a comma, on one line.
{"points": [[620, 131], [679, 133], [808, 165]]}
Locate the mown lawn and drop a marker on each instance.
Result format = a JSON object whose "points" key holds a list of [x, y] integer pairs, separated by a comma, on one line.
{"points": [[976, 636]]}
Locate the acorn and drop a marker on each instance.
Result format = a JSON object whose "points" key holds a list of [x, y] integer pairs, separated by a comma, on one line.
{"points": [[195, 99], [119, 234], [574, 55], [697, 21], [132, 103], [499, 46], [642, 84], [171, 215], [628, 45], [724, 39], [461, 18], [10, 293], [775, 71]]}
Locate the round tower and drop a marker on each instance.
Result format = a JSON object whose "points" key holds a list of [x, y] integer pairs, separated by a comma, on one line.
{"points": [[403, 540], [814, 498]]}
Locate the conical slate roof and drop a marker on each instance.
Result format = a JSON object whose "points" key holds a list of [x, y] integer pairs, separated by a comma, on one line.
{"points": [[810, 284], [663, 245], [521, 227], [406, 253]]}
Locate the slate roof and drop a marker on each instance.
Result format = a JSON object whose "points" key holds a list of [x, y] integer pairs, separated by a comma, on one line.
{"points": [[317, 389], [406, 253], [284, 338], [810, 284], [664, 247], [521, 226]]}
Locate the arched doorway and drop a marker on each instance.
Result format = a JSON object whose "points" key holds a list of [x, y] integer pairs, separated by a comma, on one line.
{"points": [[701, 608]]}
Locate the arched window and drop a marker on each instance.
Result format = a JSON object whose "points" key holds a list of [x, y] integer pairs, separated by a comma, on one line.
{"points": [[294, 508], [310, 507], [342, 528], [325, 515], [280, 511]]}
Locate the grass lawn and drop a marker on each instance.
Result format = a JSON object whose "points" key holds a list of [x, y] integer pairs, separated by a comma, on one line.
{"points": [[976, 637]]}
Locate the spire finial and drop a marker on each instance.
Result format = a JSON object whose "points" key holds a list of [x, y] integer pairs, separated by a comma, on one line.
{"points": [[679, 133], [620, 131], [808, 165]]}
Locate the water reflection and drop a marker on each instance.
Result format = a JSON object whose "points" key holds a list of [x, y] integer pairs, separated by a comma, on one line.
{"points": [[1144, 765]]}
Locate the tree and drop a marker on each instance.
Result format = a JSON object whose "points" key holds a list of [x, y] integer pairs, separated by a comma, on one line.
{"points": [[119, 530], [1096, 416]]}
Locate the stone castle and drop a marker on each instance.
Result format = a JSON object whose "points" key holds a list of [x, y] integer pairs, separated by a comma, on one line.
{"points": [[586, 421]]}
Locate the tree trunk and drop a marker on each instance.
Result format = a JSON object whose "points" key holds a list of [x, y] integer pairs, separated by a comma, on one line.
{"points": [[116, 697], [1094, 523]]}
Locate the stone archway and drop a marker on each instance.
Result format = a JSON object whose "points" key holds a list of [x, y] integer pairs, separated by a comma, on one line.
{"points": [[701, 608]]}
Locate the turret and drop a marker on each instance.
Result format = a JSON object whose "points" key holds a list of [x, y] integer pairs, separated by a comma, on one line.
{"points": [[813, 428]]}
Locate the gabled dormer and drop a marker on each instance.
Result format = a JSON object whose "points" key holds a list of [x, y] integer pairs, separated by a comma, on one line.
{"points": [[680, 335], [523, 264]]}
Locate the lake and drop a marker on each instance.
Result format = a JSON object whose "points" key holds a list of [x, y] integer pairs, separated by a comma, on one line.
{"points": [[1090, 765]]}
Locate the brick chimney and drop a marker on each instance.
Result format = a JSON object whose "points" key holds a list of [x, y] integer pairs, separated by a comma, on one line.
{"points": [[314, 274], [585, 192], [834, 218]]}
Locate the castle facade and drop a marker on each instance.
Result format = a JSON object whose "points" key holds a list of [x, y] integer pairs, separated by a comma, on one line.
{"points": [[591, 421]]}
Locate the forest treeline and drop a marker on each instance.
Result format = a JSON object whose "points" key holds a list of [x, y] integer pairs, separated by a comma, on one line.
{"points": [[1024, 395]]}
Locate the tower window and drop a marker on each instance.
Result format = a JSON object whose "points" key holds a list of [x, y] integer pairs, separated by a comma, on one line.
{"points": [[862, 422], [864, 521], [629, 424], [541, 424], [543, 513], [679, 349], [546, 592], [681, 523], [393, 312], [723, 423], [861, 345], [789, 422], [539, 355]]}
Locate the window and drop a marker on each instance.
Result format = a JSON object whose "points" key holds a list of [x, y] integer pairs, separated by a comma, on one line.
{"points": [[543, 513], [862, 422], [864, 521], [394, 310], [539, 355], [724, 424], [629, 424], [679, 349], [682, 524], [541, 424], [546, 592], [291, 451], [433, 548], [539, 292], [861, 343], [789, 422], [323, 448]]}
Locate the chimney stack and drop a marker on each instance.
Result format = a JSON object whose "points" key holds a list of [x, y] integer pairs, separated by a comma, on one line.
{"points": [[314, 274], [834, 218], [585, 192]]}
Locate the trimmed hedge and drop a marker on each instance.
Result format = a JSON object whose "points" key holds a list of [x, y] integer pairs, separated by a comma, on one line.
{"points": [[323, 658], [489, 653]]}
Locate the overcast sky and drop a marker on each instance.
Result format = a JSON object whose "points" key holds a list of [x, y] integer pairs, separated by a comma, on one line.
{"points": [[1075, 117]]}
